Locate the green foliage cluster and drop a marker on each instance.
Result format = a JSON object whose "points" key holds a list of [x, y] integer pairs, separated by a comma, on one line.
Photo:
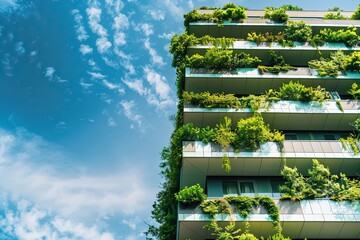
{"points": [[334, 16], [289, 7], [348, 36], [356, 14], [192, 194], [288, 91], [222, 59], [277, 64], [253, 130], [230, 12], [266, 37], [354, 137], [337, 62], [277, 15], [319, 184], [297, 31], [355, 91], [216, 206]]}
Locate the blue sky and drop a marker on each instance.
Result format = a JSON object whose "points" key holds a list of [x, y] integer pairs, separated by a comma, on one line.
{"points": [[86, 93]]}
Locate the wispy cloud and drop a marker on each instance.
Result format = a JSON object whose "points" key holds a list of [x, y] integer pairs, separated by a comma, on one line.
{"points": [[85, 49], [155, 57], [103, 45], [128, 109], [79, 26], [96, 75], [113, 86], [19, 48], [157, 15], [49, 73], [158, 82], [8, 6], [136, 85]]}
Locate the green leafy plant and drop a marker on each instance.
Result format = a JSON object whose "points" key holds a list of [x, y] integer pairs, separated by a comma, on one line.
{"points": [[276, 14], [355, 91], [192, 194], [294, 185], [353, 62], [277, 64], [216, 206], [235, 14], [319, 181], [297, 31], [348, 36], [289, 7], [335, 16], [325, 67], [356, 14], [244, 204]]}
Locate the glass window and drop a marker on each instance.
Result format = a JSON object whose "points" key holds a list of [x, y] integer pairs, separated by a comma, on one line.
{"points": [[275, 185], [290, 137], [230, 188], [329, 137], [247, 187]]}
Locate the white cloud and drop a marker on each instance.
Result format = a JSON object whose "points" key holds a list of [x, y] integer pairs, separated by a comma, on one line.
{"points": [[136, 85], [23, 160], [79, 26], [114, 6], [8, 5], [26, 221], [119, 39], [146, 28], [96, 75], [128, 109], [157, 15], [49, 73], [155, 57], [19, 48], [121, 22], [158, 82], [85, 49], [103, 45], [167, 35], [94, 15], [111, 122], [113, 86]]}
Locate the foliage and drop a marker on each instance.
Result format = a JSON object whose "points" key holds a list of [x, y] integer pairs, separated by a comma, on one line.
{"points": [[348, 36], [325, 67], [319, 184], [229, 232], [229, 5], [267, 37], [277, 236], [244, 204], [277, 64], [178, 46], [208, 100], [355, 91], [252, 131], [289, 7], [235, 14], [297, 31], [294, 184], [356, 14], [319, 181], [216, 58], [276, 14], [216, 206], [298, 92], [335, 16], [272, 210], [353, 62], [192, 194]]}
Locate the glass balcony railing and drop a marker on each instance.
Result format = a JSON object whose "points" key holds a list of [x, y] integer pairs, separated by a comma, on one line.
{"points": [[285, 115], [320, 218]]}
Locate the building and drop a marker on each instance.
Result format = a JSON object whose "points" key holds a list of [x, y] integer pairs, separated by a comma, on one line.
{"points": [[312, 131]]}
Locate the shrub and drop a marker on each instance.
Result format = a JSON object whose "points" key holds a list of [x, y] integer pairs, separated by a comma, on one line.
{"points": [[355, 91], [218, 58], [356, 14], [325, 67], [297, 31], [335, 16], [236, 13], [252, 131], [276, 14], [289, 7], [294, 184], [353, 62], [348, 36], [193, 194]]}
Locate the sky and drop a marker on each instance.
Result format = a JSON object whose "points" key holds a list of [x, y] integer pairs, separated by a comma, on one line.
{"points": [[87, 94]]}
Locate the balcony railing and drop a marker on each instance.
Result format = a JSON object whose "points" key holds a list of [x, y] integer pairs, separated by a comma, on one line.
{"points": [[299, 55], [251, 81], [285, 115], [320, 218], [205, 159]]}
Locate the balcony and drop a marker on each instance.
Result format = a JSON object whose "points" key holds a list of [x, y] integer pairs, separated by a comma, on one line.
{"points": [[250, 81], [321, 218], [254, 22], [284, 115], [299, 55], [204, 159]]}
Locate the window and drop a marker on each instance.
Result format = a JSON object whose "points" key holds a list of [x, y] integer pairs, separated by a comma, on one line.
{"points": [[247, 187], [329, 137], [290, 137], [230, 188]]}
